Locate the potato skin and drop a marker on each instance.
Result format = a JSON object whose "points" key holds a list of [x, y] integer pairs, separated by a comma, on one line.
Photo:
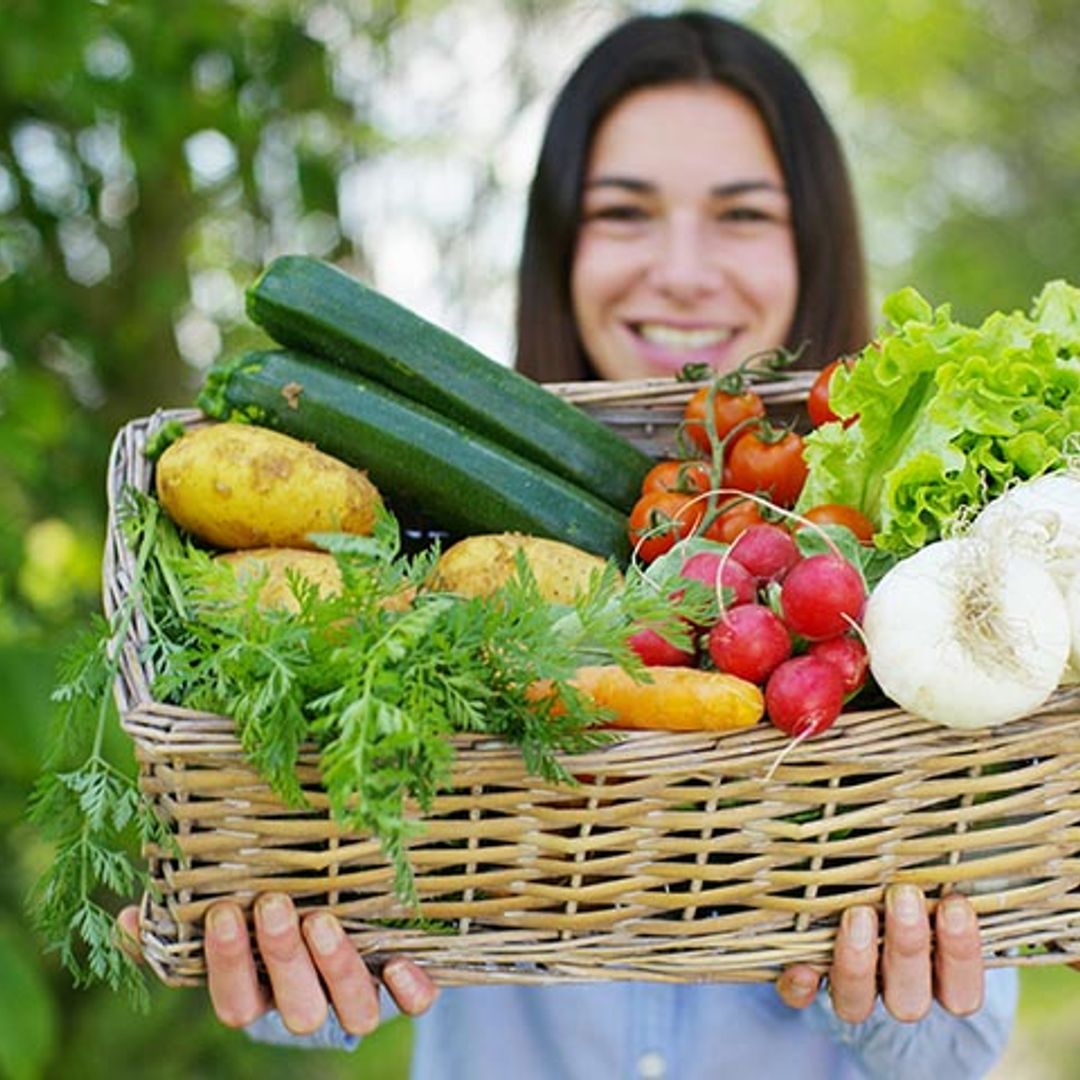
{"points": [[318, 567], [241, 486], [478, 565]]}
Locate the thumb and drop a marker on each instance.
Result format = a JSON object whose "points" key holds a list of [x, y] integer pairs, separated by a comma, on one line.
{"points": [[798, 985], [127, 932]]}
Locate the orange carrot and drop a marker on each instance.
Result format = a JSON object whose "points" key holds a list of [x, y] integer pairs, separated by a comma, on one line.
{"points": [[677, 698]]}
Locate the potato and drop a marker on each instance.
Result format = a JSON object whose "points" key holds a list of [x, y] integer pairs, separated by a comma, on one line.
{"points": [[319, 567], [241, 486], [478, 565]]}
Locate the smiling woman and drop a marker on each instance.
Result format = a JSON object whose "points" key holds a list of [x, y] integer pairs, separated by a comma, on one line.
{"points": [[719, 226], [685, 252]]}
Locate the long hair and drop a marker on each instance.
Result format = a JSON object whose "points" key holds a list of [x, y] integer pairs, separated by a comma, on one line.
{"points": [[693, 47]]}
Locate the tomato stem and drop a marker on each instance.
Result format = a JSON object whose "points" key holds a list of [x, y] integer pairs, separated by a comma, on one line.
{"points": [[780, 511]]}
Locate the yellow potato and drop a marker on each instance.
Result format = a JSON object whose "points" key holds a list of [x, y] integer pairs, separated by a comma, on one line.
{"points": [[241, 486], [478, 565], [319, 567]]}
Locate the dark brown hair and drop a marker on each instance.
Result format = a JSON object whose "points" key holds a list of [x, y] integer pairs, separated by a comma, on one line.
{"points": [[830, 316]]}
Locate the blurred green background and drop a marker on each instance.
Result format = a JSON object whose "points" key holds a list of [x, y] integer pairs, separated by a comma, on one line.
{"points": [[154, 154]]}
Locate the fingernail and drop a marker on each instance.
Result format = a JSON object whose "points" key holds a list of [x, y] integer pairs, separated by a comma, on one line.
{"points": [[324, 933], [905, 903], [224, 924], [405, 983], [275, 914], [956, 916], [859, 925], [803, 983]]}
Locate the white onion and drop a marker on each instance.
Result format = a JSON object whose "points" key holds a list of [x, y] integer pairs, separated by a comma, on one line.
{"points": [[1040, 517], [967, 634], [1072, 606]]}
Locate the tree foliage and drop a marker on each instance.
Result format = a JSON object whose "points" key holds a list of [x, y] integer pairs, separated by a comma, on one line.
{"points": [[959, 123]]}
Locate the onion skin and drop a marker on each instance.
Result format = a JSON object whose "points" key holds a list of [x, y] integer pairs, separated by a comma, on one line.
{"points": [[1072, 605], [967, 635], [1040, 517]]}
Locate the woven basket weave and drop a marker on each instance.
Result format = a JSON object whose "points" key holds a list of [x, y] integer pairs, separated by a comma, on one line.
{"points": [[678, 858]]}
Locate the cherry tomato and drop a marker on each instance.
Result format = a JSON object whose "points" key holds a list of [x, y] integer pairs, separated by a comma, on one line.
{"points": [[729, 410], [838, 514], [660, 518], [688, 477], [772, 465], [817, 402], [734, 517]]}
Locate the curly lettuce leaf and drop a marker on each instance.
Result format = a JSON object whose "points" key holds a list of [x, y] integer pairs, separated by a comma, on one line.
{"points": [[948, 414]]}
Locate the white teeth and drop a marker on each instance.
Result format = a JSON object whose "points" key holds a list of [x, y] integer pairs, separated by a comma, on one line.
{"points": [[672, 337]]}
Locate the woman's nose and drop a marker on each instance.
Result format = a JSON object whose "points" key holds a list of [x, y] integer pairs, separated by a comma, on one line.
{"points": [[683, 267]]}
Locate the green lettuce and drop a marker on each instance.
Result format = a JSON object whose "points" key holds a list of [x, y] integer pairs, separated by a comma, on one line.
{"points": [[948, 414]]}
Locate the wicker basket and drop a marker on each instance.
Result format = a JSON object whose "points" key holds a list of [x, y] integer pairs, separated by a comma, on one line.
{"points": [[677, 859]]}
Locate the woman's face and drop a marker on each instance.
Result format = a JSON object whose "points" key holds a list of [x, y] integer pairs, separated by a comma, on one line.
{"points": [[686, 252]]}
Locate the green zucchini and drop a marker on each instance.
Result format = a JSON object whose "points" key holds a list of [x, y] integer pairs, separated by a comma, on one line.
{"points": [[455, 478], [308, 304]]}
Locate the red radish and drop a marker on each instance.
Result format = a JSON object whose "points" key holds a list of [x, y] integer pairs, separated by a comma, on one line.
{"points": [[804, 696], [821, 596], [767, 551], [704, 567], [848, 655], [749, 641], [656, 651]]}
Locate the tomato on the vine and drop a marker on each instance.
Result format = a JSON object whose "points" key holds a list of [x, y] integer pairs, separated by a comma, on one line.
{"points": [[770, 462], [839, 514], [728, 411], [660, 518], [817, 401], [732, 518], [687, 477]]}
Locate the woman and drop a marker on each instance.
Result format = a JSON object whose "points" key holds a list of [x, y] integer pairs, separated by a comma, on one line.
{"points": [[830, 315], [690, 205]]}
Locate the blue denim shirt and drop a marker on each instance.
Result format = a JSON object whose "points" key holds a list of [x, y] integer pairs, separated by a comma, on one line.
{"points": [[652, 1031]]}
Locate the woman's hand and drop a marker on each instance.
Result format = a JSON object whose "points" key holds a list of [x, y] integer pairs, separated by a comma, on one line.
{"points": [[915, 966], [306, 961]]}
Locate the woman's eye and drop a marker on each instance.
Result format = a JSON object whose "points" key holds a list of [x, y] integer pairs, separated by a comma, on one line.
{"points": [[744, 213], [616, 213]]}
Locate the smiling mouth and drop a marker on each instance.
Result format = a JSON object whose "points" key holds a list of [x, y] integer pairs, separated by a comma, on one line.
{"points": [[682, 339]]}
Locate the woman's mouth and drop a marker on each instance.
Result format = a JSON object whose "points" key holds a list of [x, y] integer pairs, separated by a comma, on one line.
{"points": [[668, 348]]}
